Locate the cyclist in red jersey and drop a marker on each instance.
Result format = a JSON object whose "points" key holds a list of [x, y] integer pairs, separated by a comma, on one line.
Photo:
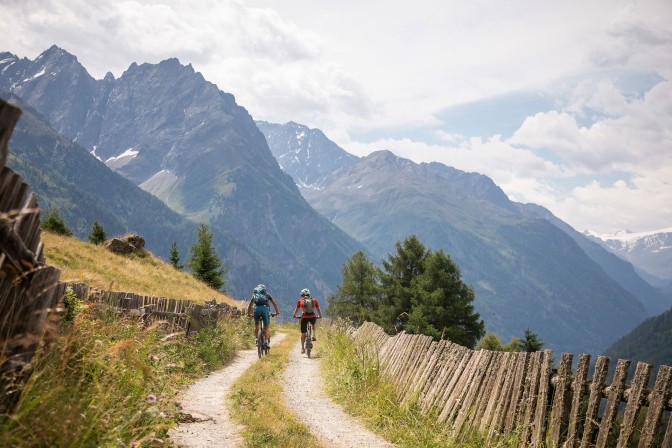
{"points": [[308, 305]]}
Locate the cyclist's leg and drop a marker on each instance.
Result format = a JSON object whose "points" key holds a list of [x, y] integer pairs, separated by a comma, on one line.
{"points": [[313, 320], [266, 315], [304, 329], [257, 318]]}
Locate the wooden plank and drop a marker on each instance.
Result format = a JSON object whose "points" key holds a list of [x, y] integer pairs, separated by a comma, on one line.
{"points": [[667, 441], [497, 393], [448, 360], [529, 400], [614, 397], [467, 407], [540, 420], [635, 395], [592, 423], [561, 400], [513, 414], [451, 379], [494, 422], [578, 392], [454, 402], [656, 407], [424, 366], [9, 115]]}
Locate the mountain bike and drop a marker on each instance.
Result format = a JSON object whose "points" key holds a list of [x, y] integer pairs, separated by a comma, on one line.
{"points": [[262, 346], [309, 339]]}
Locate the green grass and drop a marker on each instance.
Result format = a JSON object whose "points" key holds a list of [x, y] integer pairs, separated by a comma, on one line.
{"points": [[354, 379], [258, 402], [107, 381]]}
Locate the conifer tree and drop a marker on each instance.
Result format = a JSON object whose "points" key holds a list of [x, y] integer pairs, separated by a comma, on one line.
{"points": [[399, 271], [204, 262], [174, 256], [97, 235], [54, 223], [442, 304], [531, 342], [359, 293]]}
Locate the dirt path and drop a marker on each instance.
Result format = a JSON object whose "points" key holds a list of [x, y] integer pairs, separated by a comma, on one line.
{"points": [[327, 421], [205, 401]]}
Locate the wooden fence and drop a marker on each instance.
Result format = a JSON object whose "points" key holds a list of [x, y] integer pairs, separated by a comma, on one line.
{"points": [[175, 313], [30, 291], [522, 394]]}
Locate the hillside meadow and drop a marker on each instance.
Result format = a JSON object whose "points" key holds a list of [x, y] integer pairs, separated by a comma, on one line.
{"points": [[83, 262], [107, 379]]}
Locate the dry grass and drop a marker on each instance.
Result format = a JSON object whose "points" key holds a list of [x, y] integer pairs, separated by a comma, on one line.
{"points": [[82, 262]]}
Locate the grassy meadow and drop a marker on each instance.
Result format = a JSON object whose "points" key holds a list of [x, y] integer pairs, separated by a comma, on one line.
{"points": [[106, 380]]}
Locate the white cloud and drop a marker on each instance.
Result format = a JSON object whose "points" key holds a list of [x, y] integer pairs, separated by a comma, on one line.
{"points": [[355, 67]]}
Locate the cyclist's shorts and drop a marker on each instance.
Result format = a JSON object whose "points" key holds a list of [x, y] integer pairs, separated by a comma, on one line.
{"points": [[304, 323], [262, 312]]}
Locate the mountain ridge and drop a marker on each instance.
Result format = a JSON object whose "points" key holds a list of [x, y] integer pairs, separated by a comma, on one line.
{"points": [[490, 238], [166, 118]]}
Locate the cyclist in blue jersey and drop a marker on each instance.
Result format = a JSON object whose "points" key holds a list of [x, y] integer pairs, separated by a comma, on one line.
{"points": [[261, 301]]}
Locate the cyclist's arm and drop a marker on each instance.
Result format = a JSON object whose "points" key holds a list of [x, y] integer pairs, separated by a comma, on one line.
{"points": [[249, 308], [277, 310], [296, 310]]}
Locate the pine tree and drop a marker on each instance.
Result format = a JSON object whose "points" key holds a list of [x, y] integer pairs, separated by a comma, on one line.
{"points": [[54, 223], [399, 271], [174, 256], [531, 342], [97, 235], [204, 262], [357, 297], [442, 304]]}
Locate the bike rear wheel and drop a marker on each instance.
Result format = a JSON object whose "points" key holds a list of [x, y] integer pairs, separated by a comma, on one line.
{"points": [[260, 339], [309, 339]]}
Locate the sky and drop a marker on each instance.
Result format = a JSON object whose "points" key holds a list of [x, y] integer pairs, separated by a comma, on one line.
{"points": [[563, 104]]}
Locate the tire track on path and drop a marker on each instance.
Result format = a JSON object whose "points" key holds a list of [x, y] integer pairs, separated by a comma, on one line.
{"points": [[326, 420], [206, 402]]}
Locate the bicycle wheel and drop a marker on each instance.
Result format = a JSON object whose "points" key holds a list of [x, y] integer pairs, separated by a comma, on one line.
{"points": [[309, 339], [260, 339]]}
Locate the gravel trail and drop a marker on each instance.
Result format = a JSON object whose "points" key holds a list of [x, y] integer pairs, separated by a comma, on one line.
{"points": [[206, 402], [326, 420]]}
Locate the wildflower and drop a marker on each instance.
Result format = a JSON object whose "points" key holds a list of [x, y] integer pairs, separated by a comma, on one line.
{"points": [[151, 398], [180, 406]]}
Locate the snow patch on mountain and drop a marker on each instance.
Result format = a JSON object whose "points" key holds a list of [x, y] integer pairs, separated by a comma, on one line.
{"points": [[122, 159]]}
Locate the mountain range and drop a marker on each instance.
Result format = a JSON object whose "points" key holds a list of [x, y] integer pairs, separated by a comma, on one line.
{"points": [[169, 131], [521, 260], [649, 252], [160, 149]]}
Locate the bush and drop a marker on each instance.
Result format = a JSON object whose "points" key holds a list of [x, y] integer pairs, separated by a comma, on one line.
{"points": [[72, 305]]}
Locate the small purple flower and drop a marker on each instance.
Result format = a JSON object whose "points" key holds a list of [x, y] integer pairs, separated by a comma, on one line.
{"points": [[151, 398], [134, 443], [180, 406]]}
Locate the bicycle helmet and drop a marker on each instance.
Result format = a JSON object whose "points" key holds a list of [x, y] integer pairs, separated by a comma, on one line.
{"points": [[305, 292], [261, 289]]}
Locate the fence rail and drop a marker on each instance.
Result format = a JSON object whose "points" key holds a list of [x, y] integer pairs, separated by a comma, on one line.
{"points": [[30, 291], [521, 393], [176, 313]]}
